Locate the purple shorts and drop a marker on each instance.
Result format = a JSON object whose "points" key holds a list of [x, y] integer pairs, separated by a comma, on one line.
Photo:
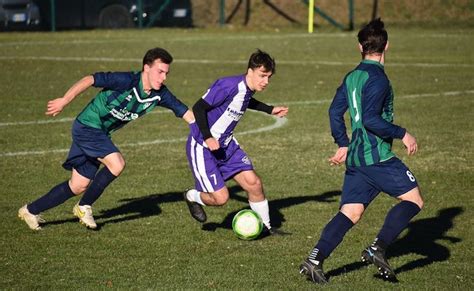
{"points": [[212, 169]]}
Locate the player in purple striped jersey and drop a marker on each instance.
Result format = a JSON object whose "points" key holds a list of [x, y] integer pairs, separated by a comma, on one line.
{"points": [[213, 153]]}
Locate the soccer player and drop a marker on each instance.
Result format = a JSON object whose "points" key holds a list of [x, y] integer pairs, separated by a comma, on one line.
{"points": [[125, 97], [214, 154], [371, 166]]}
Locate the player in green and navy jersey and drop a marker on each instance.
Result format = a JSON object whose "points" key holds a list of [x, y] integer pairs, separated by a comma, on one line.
{"points": [[125, 97], [371, 166]]}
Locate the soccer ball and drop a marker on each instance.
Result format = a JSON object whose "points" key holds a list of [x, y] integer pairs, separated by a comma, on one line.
{"points": [[247, 224]]}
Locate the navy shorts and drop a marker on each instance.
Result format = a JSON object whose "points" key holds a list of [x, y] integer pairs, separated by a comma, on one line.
{"points": [[88, 144], [362, 184]]}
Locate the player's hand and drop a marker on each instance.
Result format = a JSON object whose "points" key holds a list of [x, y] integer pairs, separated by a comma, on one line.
{"points": [[339, 157], [212, 144], [280, 111], [410, 143], [55, 106]]}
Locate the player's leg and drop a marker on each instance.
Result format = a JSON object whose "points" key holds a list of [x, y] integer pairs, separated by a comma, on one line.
{"points": [[113, 167], [356, 195], [97, 148], [252, 184], [114, 164], [61, 192], [334, 232], [210, 186], [331, 236], [395, 222], [398, 181]]}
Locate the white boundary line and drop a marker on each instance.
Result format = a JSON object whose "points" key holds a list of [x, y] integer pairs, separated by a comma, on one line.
{"points": [[239, 62], [60, 120], [279, 122], [158, 111], [220, 37]]}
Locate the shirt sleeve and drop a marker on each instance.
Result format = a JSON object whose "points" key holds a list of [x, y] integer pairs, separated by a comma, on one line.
{"points": [[336, 116], [168, 100], [216, 94], [113, 80], [372, 105], [200, 114], [260, 106]]}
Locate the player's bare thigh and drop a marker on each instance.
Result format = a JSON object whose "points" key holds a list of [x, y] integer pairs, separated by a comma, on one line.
{"points": [[78, 183], [414, 196], [353, 211], [216, 198], [252, 184], [114, 162]]}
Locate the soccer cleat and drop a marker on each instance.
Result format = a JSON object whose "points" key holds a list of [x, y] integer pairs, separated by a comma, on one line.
{"points": [[31, 220], [84, 213], [277, 231], [376, 256], [196, 209], [313, 271]]}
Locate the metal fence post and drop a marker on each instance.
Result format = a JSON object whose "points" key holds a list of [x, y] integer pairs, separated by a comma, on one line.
{"points": [[222, 12], [53, 14]]}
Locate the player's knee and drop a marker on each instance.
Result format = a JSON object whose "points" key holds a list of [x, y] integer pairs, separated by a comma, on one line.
{"points": [[253, 183], [353, 211], [354, 217], [78, 187], [221, 199], [420, 203], [414, 196], [117, 167]]}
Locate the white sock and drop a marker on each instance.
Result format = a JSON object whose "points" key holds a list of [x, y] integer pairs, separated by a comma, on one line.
{"points": [[263, 210], [194, 196]]}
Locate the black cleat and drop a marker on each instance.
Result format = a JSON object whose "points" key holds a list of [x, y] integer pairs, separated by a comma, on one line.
{"points": [[313, 271], [277, 231], [196, 209], [376, 256]]}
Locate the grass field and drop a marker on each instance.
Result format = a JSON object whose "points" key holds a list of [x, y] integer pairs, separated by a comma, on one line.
{"points": [[147, 240]]}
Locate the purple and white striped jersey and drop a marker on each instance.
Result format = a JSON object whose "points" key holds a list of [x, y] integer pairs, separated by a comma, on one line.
{"points": [[229, 98]]}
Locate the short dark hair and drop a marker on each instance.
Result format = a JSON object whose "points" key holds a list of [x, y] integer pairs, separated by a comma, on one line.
{"points": [[157, 53], [373, 37], [261, 58]]}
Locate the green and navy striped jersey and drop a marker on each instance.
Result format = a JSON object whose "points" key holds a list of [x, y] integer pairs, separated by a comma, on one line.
{"points": [[367, 93], [122, 100]]}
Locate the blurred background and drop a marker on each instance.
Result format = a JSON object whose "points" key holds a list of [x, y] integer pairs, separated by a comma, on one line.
{"points": [[51, 15]]}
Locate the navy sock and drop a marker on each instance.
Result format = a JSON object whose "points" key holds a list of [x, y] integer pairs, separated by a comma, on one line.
{"points": [[103, 178], [56, 196], [331, 237], [396, 221]]}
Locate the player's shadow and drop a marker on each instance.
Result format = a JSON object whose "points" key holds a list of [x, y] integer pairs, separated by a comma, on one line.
{"points": [[130, 209], [276, 217], [421, 240], [137, 208]]}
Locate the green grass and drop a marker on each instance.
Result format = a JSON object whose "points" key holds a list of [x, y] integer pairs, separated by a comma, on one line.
{"points": [[147, 240]]}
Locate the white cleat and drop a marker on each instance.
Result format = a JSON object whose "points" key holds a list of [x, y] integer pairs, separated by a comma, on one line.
{"points": [[31, 220], [84, 213]]}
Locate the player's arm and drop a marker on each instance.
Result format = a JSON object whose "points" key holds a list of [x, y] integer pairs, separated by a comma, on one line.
{"points": [[373, 121], [338, 127], [372, 105], [168, 100], [57, 105], [200, 109], [189, 116], [257, 105]]}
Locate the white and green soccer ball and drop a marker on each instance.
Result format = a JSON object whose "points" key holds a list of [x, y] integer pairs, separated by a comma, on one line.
{"points": [[247, 224]]}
